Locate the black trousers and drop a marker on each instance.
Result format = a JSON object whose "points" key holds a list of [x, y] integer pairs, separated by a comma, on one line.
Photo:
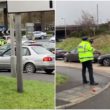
{"points": [[88, 65]]}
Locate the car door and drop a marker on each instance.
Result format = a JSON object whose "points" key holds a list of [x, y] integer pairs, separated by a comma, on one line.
{"points": [[5, 60], [72, 55], [76, 58], [26, 54]]}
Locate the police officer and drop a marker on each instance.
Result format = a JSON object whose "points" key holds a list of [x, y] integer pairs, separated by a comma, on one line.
{"points": [[2, 41], [85, 53]]}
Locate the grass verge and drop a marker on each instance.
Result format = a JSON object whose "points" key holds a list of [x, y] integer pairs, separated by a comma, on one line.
{"points": [[36, 95], [101, 43], [69, 43], [60, 79]]}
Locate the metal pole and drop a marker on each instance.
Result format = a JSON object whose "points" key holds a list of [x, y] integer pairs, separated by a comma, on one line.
{"points": [[65, 28], [18, 52], [97, 16], [13, 61]]}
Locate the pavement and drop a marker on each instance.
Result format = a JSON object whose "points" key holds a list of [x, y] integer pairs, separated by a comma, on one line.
{"points": [[73, 92], [100, 101]]}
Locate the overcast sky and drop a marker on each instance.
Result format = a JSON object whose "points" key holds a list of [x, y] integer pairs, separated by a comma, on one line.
{"points": [[71, 11]]}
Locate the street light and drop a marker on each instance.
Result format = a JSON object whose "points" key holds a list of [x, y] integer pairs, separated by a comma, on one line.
{"points": [[65, 26]]}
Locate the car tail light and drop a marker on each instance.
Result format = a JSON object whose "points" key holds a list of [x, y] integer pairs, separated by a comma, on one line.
{"points": [[47, 59]]}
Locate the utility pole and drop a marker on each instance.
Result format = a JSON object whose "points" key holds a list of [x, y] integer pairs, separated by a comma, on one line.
{"points": [[97, 16], [65, 27], [19, 65], [13, 59]]}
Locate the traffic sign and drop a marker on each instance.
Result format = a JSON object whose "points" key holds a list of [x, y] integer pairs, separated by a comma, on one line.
{"points": [[29, 6]]}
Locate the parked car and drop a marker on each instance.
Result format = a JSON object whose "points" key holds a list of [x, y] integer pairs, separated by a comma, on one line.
{"points": [[4, 48], [72, 56], [52, 39], [48, 45], [104, 60], [60, 53], [34, 58], [39, 35]]}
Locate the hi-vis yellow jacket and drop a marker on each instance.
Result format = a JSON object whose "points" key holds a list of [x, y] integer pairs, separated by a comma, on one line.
{"points": [[85, 51]]}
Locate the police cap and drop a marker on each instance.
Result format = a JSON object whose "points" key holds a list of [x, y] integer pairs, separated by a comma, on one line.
{"points": [[84, 38]]}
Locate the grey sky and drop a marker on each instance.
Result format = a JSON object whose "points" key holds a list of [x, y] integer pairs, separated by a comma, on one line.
{"points": [[71, 11]]}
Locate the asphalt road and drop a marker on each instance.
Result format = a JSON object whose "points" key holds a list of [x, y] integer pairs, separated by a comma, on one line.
{"points": [[39, 75], [99, 101], [75, 78]]}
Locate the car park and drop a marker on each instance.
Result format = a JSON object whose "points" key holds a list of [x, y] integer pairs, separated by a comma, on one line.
{"points": [[34, 58], [39, 35], [72, 56], [104, 60]]}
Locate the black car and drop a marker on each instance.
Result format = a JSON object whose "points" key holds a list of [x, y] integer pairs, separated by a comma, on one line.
{"points": [[104, 60], [60, 53], [72, 56]]}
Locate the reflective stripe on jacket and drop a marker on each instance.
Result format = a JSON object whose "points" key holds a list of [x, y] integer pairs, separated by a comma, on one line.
{"points": [[85, 51]]}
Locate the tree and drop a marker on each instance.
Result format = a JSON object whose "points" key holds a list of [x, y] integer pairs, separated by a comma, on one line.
{"points": [[87, 23]]}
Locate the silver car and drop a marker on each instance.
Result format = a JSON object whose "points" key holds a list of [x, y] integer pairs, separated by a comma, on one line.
{"points": [[39, 35], [34, 58]]}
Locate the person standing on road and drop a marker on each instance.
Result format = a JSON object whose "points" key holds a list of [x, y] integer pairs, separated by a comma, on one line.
{"points": [[85, 53]]}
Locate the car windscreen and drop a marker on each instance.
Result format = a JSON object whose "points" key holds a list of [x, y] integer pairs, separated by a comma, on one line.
{"points": [[40, 50], [5, 47]]}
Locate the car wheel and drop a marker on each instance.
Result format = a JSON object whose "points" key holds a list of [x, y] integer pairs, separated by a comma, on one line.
{"points": [[65, 59], [106, 62], [30, 68], [49, 71], [42, 37]]}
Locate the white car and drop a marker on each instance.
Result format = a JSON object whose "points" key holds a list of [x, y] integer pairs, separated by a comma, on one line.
{"points": [[24, 39], [34, 58], [39, 35], [52, 39]]}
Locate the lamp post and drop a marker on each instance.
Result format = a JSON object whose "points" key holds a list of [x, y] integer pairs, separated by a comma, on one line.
{"points": [[65, 26], [93, 26]]}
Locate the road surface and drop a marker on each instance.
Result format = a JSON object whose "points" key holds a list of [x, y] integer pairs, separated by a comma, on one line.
{"points": [[75, 81]]}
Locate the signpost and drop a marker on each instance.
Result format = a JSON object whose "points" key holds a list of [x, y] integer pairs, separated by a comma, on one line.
{"points": [[17, 7], [29, 6], [18, 52], [13, 60]]}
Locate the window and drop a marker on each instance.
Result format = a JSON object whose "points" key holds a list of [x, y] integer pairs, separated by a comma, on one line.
{"points": [[7, 53], [25, 51], [40, 50]]}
